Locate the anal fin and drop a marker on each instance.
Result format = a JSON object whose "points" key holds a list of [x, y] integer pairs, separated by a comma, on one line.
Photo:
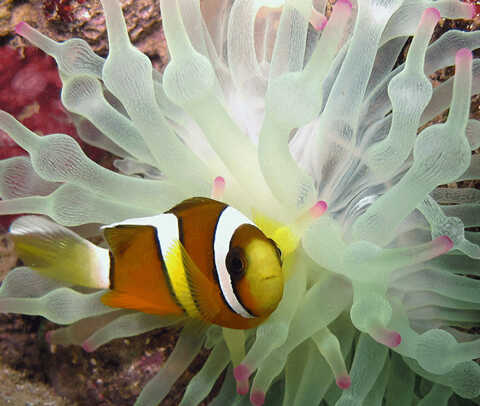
{"points": [[125, 301]]}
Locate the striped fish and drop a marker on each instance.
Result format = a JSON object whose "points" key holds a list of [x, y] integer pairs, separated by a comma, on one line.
{"points": [[201, 259]]}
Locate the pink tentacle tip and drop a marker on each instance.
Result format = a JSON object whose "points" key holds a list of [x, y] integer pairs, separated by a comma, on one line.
{"points": [[347, 3], [344, 382], [318, 209], [257, 398], [321, 24], [219, 182], [446, 243], [87, 347], [390, 338], [218, 187], [48, 337], [242, 387], [20, 27], [318, 20], [463, 55], [241, 373], [432, 12], [394, 339]]}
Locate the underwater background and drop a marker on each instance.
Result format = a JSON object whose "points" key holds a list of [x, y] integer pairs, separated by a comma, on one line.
{"points": [[32, 372]]}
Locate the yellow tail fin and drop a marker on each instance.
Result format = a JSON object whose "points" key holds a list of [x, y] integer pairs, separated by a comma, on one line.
{"points": [[59, 253]]}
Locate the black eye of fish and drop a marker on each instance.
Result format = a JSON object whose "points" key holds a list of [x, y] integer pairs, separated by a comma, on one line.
{"points": [[235, 262]]}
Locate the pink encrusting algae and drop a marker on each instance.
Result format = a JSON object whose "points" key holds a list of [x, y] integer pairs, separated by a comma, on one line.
{"points": [[307, 126], [31, 91], [31, 87]]}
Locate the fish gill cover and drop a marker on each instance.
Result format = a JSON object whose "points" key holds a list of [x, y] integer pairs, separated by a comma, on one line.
{"points": [[290, 109]]}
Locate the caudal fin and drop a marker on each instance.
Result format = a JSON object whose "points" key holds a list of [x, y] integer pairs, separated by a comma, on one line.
{"points": [[59, 253]]}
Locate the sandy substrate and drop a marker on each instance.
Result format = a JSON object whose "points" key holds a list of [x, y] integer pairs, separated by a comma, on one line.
{"points": [[16, 390]]}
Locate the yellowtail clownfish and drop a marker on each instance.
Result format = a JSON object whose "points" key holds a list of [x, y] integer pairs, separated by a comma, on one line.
{"points": [[201, 259]]}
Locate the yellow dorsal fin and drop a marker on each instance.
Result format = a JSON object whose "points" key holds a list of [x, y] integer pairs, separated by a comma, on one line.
{"points": [[195, 288]]}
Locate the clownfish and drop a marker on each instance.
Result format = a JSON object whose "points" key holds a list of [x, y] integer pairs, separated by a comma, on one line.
{"points": [[201, 259]]}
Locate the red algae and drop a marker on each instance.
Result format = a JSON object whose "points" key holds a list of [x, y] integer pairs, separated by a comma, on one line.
{"points": [[475, 7], [31, 92]]}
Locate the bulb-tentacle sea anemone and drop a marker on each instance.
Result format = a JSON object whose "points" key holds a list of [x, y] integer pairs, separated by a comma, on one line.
{"points": [[281, 112]]}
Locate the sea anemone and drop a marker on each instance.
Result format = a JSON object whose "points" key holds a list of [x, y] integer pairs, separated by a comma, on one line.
{"points": [[287, 109]]}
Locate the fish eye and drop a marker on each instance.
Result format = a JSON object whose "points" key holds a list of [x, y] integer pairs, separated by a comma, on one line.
{"points": [[235, 262]]}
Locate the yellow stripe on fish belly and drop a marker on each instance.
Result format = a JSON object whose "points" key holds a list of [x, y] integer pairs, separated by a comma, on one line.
{"points": [[179, 280]]}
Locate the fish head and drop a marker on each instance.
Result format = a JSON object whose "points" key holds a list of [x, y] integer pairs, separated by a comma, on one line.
{"points": [[255, 265]]}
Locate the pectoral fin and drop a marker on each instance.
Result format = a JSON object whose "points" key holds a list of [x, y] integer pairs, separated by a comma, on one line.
{"points": [[193, 289]]}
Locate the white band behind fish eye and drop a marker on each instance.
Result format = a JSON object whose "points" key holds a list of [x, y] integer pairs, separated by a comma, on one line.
{"points": [[228, 222]]}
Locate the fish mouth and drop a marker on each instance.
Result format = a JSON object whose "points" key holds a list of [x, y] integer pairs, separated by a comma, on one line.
{"points": [[270, 277]]}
